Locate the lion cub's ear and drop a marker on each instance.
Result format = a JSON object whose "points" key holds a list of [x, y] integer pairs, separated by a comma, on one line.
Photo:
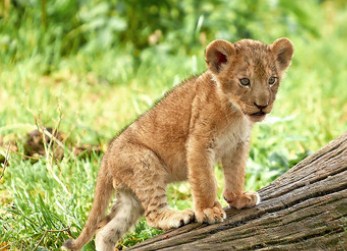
{"points": [[283, 50], [218, 53]]}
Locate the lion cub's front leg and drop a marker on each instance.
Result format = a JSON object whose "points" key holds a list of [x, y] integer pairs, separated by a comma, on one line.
{"points": [[234, 165], [203, 183]]}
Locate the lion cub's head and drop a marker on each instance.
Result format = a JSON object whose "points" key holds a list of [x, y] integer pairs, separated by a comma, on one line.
{"points": [[249, 72]]}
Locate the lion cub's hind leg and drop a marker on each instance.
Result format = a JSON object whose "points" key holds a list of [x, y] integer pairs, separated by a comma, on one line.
{"points": [[157, 212], [159, 215], [149, 184], [125, 212]]}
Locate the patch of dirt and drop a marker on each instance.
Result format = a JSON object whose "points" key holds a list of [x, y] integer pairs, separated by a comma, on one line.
{"points": [[38, 141]]}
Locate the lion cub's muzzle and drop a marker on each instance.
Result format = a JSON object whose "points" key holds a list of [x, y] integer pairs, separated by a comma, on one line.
{"points": [[259, 115]]}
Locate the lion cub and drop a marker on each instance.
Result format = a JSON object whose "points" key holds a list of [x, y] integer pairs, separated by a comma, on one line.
{"points": [[206, 119]]}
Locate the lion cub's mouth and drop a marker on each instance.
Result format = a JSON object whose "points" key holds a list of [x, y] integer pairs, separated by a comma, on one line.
{"points": [[257, 116], [260, 113]]}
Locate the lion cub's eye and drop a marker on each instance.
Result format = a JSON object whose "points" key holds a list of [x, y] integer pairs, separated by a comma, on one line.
{"points": [[272, 80], [245, 81]]}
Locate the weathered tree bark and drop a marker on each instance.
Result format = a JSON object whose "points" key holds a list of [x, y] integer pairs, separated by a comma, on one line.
{"points": [[304, 209]]}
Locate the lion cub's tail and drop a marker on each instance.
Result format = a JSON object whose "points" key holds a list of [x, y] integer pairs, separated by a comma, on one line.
{"points": [[103, 193]]}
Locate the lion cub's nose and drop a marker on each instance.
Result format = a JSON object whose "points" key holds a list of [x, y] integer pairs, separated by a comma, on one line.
{"points": [[260, 106]]}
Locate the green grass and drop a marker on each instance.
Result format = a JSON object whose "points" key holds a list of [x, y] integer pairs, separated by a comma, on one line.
{"points": [[90, 97]]}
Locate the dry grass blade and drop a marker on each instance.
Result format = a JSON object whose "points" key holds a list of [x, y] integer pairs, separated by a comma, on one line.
{"points": [[6, 161]]}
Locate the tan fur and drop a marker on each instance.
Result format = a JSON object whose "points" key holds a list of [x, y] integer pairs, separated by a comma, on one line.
{"points": [[205, 120]]}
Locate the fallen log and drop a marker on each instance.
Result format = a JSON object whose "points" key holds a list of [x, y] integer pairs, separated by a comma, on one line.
{"points": [[304, 209]]}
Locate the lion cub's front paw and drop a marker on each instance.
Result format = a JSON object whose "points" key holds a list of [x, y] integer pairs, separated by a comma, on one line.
{"points": [[245, 200], [170, 219], [180, 218], [211, 215]]}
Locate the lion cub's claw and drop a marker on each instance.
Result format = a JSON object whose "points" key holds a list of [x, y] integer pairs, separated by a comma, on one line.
{"points": [[245, 200], [187, 217], [211, 215], [176, 219]]}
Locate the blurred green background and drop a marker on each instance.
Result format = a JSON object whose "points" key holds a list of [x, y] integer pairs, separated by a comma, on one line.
{"points": [[88, 68]]}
